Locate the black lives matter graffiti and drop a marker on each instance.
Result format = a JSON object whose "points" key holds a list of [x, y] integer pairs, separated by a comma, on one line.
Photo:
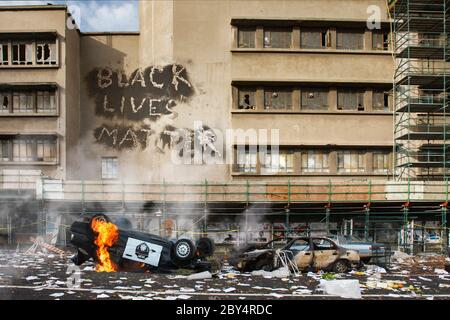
{"points": [[146, 95]]}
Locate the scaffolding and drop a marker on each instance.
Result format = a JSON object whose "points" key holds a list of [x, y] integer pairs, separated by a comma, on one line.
{"points": [[421, 49]]}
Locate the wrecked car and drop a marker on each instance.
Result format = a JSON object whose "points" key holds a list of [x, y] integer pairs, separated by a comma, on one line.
{"points": [[306, 252], [134, 249], [366, 249]]}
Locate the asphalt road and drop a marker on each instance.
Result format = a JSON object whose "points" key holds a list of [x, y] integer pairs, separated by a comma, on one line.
{"points": [[45, 277]]}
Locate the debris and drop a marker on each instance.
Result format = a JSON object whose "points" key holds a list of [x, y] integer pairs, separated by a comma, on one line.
{"points": [[276, 295], [230, 289], [102, 296], [200, 275], [342, 288], [30, 278], [279, 273], [375, 268], [425, 279], [57, 295], [440, 271], [328, 276]]}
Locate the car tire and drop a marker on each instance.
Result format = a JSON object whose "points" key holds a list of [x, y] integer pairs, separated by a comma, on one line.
{"points": [[184, 250], [340, 266], [205, 247]]}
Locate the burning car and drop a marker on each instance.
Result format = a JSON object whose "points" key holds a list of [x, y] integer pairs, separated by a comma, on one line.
{"points": [[113, 249], [305, 252]]}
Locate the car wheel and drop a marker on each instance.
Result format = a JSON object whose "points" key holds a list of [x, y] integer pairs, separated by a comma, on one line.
{"points": [[340, 266], [205, 247], [184, 250]]}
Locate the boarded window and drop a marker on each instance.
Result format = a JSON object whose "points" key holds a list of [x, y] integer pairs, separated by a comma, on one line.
{"points": [[110, 168], [279, 162], [46, 53], [246, 37], [381, 162], [380, 101], [23, 102], [277, 98], [246, 160], [350, 40], [315, 161], [46, 102], [22, 54], [314, 99], [5, 102], [4, 54], [247, 98], [278, 38], [380, 41], [314, 39], [351, 161], [351, 100]]}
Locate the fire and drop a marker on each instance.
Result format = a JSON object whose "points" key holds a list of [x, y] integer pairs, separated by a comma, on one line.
{"points": [[108, 233]]}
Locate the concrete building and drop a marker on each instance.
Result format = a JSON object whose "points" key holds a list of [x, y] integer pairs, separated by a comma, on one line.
{"points": [[114, 121]]}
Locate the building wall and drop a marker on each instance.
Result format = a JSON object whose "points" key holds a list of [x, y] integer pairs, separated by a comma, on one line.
{"points": [[36, 20]]}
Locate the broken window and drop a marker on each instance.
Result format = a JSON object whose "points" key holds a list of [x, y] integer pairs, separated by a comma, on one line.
{"points": [[247, 99], [381, 162], [315, 161], [46, 53], [5, 101], [380, 101], [277, 98], [23, 102], [4, 54], [279, 162], [246, 37], [246, 160], [314, 39], [351, 161], [22, 54], [350, 40], [314, 99], [380, 41], [46, 102], [110, 168], [351, 100], [278, 38]]}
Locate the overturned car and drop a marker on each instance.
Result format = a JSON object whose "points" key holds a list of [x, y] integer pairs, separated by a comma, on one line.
{"points": [[305, 252], [114, 249]]}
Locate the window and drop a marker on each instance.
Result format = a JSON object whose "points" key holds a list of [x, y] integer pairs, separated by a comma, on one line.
{"points": [[5, 102], [351, 100], [314, 99], [431, 39], [350, 40], [26, 101], [279, 162], [5, 150], [23, 102], [380, 101], [246, 37], [4, 54], [22, 54], [314, 39], [351, 161], [246, 160], [380, 41], [315, 161], [46, 102], [110, 167], [247, 99], [28, 149], [381, 162], [278, 38], [277, 98]]}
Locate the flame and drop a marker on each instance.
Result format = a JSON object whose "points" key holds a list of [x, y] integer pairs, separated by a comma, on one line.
{"points": [[108, 233]]}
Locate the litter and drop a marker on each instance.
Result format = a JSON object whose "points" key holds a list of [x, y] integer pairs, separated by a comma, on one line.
{"points": [[57, 295], [201, 275], [342, 288], [230, 289], [374, 268], [424, 279], [102, 296], [30, 278], [440, 271]]}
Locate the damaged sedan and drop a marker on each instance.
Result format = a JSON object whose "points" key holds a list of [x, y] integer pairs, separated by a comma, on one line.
{"points": [[114, 249], [316, 253]]}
